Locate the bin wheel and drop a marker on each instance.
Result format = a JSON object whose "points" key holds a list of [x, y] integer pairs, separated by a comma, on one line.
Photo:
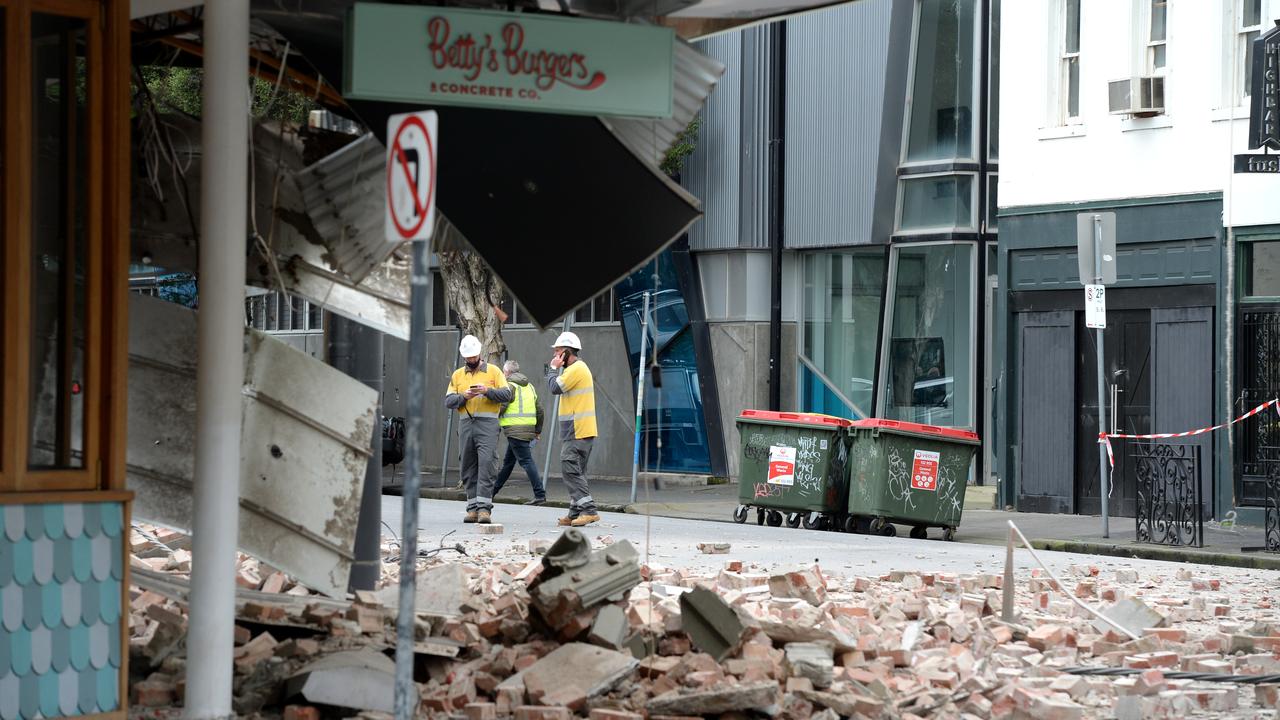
{"points": [[774, 518], [759, 517], [849, 524], [919, 532], [880, 527], [793, 520], [815, 521], [949, 534], [740, 514], [889, 530]]}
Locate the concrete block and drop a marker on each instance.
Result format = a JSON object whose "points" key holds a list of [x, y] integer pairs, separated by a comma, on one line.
{"points": [[810, 660], [610, 629], [712, 626]]}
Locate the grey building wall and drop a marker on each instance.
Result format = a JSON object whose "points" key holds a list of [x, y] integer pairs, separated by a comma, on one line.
{"points": [[604, 352], [741, 353], [843, 112]]}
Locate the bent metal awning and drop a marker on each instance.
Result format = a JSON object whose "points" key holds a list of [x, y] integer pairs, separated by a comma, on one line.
{"points": [[557, 205]]}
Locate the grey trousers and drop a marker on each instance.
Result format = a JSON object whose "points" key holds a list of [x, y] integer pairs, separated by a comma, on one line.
{"points": [[479, 439], [573, 462]]}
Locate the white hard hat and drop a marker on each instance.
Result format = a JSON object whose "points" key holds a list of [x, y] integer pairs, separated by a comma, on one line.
{"points": [[469, 347], [568, 340]]}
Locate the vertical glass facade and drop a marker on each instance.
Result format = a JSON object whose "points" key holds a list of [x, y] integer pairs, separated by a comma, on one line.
{"points": [[673, 413], [929, 373], [843, 292], [942, 112]]}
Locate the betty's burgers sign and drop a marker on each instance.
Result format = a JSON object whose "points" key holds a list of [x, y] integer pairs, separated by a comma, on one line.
{"points": [[518, 61]]}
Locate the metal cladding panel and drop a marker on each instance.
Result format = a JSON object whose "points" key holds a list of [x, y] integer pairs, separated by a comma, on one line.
{"points": [[757, 97], [836, 67], [712, 172], [304, 446]]}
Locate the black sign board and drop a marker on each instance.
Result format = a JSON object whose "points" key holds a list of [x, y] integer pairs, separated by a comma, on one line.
{"points": [[1264, 111], [1257, 163]]}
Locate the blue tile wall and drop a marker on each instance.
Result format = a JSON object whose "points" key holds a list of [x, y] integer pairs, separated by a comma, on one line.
{"points": [[61, 567]]}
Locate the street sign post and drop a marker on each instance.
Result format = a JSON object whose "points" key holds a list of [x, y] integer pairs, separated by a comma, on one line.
{"points": [[1096, 245], [1095, 306], [411, 176], [410, 216]]}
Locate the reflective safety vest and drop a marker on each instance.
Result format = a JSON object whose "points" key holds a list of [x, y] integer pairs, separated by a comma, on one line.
{"points": [[523, 408], [577, 402]]}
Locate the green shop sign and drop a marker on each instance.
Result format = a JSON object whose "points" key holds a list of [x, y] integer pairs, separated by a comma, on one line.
{"points": [[540, 63]]}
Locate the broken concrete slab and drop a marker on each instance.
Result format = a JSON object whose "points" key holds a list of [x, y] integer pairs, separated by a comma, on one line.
{"points": [[712, 626], [610, 628], [441, 590], [733, 698], [1131, 614], [576, 671], [355, 679], [813, 661]]}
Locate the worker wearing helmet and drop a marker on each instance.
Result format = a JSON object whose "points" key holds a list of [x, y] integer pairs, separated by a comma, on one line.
{"points": [[577, 420], [477, 391]]}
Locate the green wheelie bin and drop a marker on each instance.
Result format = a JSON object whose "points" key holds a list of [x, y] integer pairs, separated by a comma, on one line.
{"points": [[794, 468], [907, 473]]}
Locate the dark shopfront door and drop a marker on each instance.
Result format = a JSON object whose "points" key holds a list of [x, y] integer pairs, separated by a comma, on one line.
{"points": [[1158, 353], [1127, 363]]}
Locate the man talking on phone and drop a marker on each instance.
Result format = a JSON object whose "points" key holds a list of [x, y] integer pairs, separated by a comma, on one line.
{"points": [[577, 420], [477, 391]]}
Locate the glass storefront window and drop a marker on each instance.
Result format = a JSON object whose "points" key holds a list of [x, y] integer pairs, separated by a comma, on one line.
{"points": [[929, 352], [842, 310], [937, 202], [1262, 269], [59, 248], [942, 108]]}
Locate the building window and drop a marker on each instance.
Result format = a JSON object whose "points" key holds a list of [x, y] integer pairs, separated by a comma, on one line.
{"points": [[1069, 78], [1157, 34], [993, 88], [1248, 16], [941, 115], [993, 204], [929, 348], [937, 203], [276, 312], [841, 331], [1261, 268]]}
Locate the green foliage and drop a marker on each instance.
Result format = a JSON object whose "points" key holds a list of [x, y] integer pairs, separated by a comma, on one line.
{"points": [[683, 147], [178, 89]]}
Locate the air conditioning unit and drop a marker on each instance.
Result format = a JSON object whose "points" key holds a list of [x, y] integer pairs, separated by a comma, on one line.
{"points": [[1138, 96]]}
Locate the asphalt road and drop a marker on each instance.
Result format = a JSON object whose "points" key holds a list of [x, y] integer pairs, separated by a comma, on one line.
{"points": [[673, 542]]}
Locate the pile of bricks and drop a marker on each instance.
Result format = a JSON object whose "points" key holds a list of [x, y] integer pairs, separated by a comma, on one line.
{"points": [[788, 642]]}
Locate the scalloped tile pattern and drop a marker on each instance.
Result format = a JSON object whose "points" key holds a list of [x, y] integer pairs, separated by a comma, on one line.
{"points": [[60, 572]]}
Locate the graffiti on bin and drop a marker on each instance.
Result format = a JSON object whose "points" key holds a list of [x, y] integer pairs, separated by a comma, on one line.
{"points": [[806, 481], [807, 456], [757, 448], [765, 490], [900, 479], [950, 494]]}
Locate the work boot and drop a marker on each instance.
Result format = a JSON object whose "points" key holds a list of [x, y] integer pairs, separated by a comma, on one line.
{"points": [[484, 518], [471, 517], [565, 521], [584, 519], [536, 501]]}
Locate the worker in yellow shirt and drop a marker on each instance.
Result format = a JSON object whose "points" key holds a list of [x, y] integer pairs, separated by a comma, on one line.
{"points": [[477, 391], [577, 420]]}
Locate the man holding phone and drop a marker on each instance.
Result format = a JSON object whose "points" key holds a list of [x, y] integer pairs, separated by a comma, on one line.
{"points": [[577, 419], [477, 391]]}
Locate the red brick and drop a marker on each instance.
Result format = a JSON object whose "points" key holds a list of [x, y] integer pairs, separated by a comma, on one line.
{"points": [[1152, 660], [242, 635], [1267, 696], [1047, 637], [274, 583], [1171, 634], [301, 712], [480, 711], [154, 693], [369, 619]]}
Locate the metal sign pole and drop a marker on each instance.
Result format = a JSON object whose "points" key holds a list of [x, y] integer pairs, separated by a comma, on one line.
{"points": [[1102, 398], [405, 689], [644, 344]]}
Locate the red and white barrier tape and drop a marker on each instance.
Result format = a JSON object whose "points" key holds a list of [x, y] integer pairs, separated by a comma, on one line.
{"points": [[1105, 438]]}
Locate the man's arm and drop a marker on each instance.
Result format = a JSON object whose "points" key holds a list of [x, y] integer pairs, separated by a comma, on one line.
{"points": [[537, 425], [503, 393], [452, 398]]}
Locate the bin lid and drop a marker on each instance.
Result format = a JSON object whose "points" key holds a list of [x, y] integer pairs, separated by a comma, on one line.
{"points": [[829, 421], [903, 426]]}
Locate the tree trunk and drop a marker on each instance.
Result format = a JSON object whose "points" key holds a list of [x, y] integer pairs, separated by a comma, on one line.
{"points": [[474, 293]]}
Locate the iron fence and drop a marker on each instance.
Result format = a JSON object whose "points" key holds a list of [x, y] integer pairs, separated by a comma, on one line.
{"points": [[1170, 504]]}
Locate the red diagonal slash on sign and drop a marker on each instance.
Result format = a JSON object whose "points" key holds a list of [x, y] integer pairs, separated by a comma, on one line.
{"points": [[419, 204]]}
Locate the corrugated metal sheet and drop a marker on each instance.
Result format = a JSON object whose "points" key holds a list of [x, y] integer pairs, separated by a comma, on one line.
{"points": [[836, 68], [712, 171], [344, 198], [695, 77], [757, 97]]}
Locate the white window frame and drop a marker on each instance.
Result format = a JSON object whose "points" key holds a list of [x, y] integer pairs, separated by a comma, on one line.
{"points": [[1064, 67], [1149, 44], [1238, 89]]}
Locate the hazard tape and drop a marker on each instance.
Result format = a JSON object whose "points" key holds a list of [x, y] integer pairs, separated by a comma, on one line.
{"points": [[1105, 438]]}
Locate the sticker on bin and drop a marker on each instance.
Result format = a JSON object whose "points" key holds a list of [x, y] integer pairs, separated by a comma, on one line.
{"points": [[924, 471], [782, 465]]}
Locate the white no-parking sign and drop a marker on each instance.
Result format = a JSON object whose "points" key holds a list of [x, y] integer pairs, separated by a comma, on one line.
{"points": [[411, 176]]}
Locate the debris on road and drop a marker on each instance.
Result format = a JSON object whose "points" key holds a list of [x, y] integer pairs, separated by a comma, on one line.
{"points": [[587, 631]]}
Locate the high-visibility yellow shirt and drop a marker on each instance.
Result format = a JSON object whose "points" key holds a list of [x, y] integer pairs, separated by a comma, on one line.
{"points": [[577, 401], [523, 410], [484, 374]]}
